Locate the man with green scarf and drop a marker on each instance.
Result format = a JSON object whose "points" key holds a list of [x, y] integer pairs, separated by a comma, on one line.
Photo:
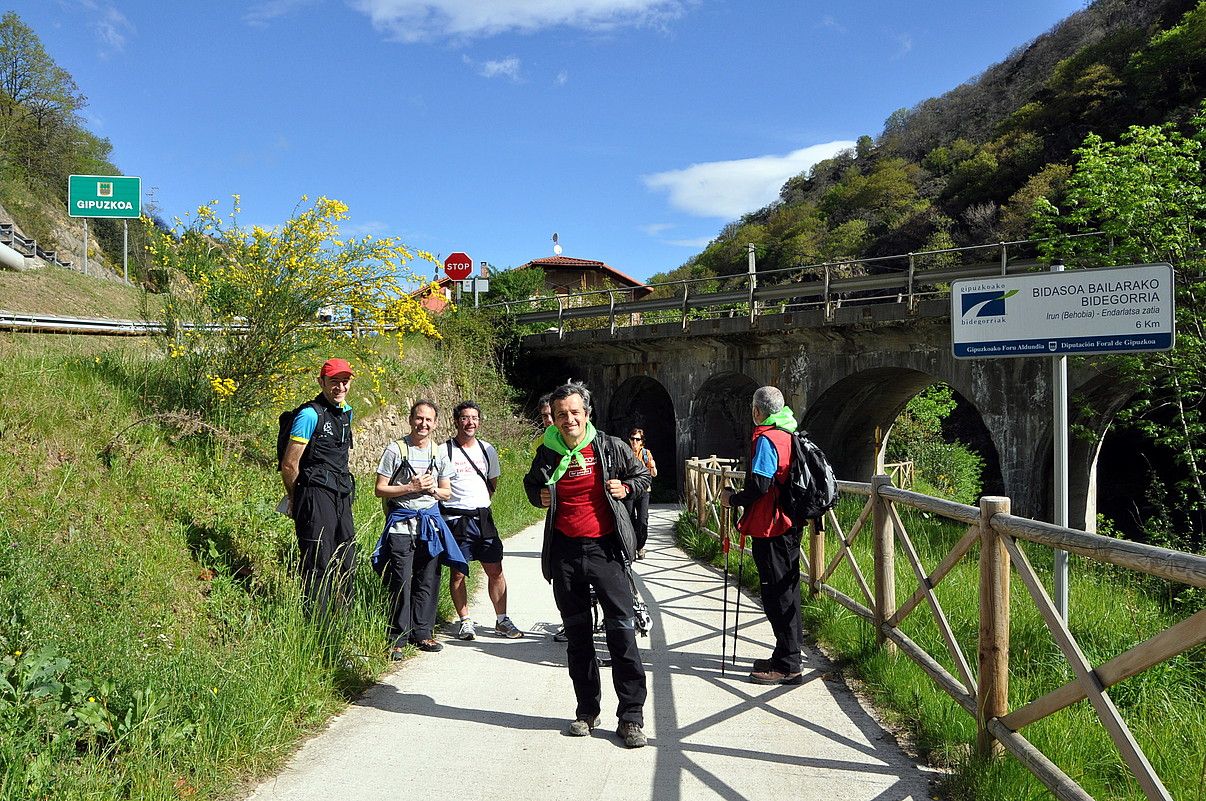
{"points": [[775, 536], [582, 477]]}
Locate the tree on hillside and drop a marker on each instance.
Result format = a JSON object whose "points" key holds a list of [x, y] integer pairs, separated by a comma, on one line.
{"points": [[1147, 193], [29, 78], [39, 103]]}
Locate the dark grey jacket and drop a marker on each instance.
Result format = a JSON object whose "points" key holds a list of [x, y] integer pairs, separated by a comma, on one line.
{"points": [[616, 460]]}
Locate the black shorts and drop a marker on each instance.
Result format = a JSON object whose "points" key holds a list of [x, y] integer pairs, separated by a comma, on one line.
{"points": [[473, 545]]}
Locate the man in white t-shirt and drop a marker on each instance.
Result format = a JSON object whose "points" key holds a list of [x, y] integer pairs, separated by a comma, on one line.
{"points": [[410, 485], [475, 472]]}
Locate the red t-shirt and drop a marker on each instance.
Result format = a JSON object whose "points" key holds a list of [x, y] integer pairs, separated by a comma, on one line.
{"points": [[582, 508]]}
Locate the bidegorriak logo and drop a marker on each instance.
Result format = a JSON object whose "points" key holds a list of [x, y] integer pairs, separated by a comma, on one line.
{"points": [[985, 304]]}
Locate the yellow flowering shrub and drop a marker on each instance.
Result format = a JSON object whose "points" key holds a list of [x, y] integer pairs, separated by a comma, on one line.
{"points": [[251, 308]]}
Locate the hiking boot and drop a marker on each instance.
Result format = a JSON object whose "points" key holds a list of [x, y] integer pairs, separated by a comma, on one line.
{"points": [[429, 645], [505, 628], [775, 677], [560, 635], [762, 666], [632, 735], [465, 630], [397, 654], [581, 727], [640, 553]]}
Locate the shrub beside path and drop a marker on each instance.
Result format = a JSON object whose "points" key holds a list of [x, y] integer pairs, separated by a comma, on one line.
{"points": [[483, 719]]}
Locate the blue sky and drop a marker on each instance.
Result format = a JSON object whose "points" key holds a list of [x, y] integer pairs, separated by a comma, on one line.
{"points": [[635, 129]]}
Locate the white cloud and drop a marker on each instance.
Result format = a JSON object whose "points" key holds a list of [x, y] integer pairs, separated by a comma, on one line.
{"points": [[420, 20], [562, 78], [374, 228], [728, 189], [904, 44], [831, 22], [653, 229], [506, 68], [263, 12], [694, 244], [111, 26]]}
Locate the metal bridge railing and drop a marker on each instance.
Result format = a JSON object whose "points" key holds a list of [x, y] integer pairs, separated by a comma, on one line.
{"points": [[903, 278]]}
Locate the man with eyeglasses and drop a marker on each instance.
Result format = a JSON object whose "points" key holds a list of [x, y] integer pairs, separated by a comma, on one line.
{"points": [[467, 511]]}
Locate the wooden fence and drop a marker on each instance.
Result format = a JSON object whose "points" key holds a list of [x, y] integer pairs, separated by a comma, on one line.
{"points": [[983, 692]]}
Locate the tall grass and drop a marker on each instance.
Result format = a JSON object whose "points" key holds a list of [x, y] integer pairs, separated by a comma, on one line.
{"points": [[1110, 611], [151, 639]]}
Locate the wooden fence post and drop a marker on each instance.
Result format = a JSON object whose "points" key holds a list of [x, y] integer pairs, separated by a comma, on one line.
{"points": [[885, 563], [816, 554], [992, 696], [701, 494]]}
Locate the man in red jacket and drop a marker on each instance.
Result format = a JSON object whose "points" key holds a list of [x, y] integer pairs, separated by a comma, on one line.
{"points": [[776, 537]]}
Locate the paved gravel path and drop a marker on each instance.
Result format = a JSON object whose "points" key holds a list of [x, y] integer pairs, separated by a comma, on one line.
{"points": [[483, 719]]}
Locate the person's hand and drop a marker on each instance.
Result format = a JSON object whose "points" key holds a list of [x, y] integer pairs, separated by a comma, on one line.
{"points": [[725, 495], [546, 497], [616, 489], [422, 483]]}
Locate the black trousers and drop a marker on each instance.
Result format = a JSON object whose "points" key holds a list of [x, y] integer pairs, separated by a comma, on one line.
{"points": [[778, 561], [640, 518], [580, 563], [412, 577], [326, 544]]}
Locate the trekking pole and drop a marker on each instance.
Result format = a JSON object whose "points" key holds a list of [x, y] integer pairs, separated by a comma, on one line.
{"points": [[737, 611], [724, 626]]}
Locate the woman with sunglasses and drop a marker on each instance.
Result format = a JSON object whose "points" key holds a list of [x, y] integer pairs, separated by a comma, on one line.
{"points": [[640, 500]]}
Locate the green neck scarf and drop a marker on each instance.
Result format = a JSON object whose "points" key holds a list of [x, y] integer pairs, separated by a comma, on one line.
{"points": [[554, 441], [785, 419]]}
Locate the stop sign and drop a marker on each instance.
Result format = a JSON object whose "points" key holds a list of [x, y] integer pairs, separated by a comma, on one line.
{"points": [[458, 266]]}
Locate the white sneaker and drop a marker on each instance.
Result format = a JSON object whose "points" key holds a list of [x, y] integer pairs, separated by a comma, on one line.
{"points": [[465, 631]]}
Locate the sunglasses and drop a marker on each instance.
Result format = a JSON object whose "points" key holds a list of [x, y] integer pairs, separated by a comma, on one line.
{"points": [[635, 439]]}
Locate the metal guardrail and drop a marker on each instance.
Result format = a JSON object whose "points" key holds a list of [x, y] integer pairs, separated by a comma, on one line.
{"points": [[29, 247], [898, 279], [20, 322]]}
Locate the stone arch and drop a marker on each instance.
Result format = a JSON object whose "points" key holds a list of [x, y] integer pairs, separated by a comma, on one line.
{"points": [[720, 416], [642, 402], [844, 420]]}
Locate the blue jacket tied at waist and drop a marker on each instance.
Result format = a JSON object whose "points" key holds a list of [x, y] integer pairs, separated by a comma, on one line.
{"points": [[432, 530]]}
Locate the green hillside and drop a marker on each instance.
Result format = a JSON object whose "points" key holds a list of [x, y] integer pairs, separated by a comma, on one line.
{"points": [[965, 168]]}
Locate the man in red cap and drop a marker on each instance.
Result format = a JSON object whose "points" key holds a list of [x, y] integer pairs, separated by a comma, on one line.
{"points": [[320, 489]]}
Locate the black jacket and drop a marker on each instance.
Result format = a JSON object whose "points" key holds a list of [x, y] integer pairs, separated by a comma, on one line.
{"points": [[617, 461]]}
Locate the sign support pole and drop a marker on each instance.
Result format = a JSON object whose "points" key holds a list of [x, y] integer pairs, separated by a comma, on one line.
{"points": [[85, 246], [125, 250], [1059, 430]]}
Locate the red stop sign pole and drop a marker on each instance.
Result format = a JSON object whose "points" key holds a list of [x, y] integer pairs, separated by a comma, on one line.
{"points": [[458, 266]]}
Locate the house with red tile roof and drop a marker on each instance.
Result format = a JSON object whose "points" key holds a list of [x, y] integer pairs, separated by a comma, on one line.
{"points": [[565, 275]]}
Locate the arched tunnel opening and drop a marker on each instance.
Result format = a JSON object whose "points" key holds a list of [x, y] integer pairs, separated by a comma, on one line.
{"points": [[642, 402], [846, 419], [720, 416], [1139, 485]]}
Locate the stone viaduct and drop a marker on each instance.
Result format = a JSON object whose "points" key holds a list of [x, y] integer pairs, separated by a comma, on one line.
{"points": [[846, 375]]}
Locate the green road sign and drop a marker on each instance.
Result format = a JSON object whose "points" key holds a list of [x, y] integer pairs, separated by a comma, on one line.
{"points": [[104, 196]]}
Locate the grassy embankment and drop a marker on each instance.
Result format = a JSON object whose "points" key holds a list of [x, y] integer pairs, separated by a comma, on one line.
{"points": [[151, 644], [1111, 610], [67, 293]]}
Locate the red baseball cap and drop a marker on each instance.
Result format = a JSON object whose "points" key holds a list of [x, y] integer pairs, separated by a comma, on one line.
{"points": [[335, 367]]}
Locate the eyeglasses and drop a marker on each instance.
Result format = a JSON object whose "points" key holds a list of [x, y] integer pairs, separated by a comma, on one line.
{"points": [[635, 439]]}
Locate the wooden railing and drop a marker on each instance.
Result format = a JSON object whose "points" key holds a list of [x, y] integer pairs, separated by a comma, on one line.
{"points": [[983, 692]]}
